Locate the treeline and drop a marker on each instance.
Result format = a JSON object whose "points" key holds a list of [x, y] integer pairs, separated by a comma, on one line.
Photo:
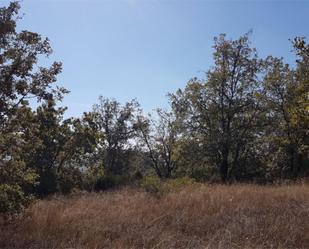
{"points": [[247, 120]]}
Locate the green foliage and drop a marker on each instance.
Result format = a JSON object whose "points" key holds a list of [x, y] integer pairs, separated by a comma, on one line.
{"points": [[115, 125], [221, 111], [158, 137], [96, 179], [137, 176], [16, 185], [110, 182], [248, 117], [286, 101], [152, 184], [177, 183], [69, 178], [54, 158], [205, 174], [12, 199], [21, 78], [91, 176]]}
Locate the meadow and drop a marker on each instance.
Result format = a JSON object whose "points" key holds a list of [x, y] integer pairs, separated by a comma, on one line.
{"points": [[195, 216]]}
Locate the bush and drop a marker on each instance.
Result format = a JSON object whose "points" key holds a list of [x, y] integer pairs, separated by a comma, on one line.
{"points": [[91, 176], [12, 199], [96, 179], [68, 179], [47, 182], [177, 183], [110, 181], [137, 176], [16, 185], [205, 174], [151, 184]]}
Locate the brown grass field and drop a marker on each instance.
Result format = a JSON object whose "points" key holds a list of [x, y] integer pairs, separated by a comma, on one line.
{"points": [[197, 216]]}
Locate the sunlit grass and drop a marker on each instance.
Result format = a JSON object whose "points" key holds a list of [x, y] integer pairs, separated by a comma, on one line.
{"points": [[197, 216]]}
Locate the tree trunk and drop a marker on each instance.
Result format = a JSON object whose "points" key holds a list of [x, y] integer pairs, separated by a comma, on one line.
{"points": [[224, 166], [168, 172]]}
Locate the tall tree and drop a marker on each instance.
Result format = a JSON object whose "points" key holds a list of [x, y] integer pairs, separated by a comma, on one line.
{"points": [[223, 108], [61, 142], [159, 138], [116, 124], [286, 99], [21, 79]]}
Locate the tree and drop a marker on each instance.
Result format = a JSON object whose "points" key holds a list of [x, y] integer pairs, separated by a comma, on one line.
{"points": [[222, 111], [286, 99], [64, 143], [115, 124], [17, 180], [21, 79], [159, 137]]}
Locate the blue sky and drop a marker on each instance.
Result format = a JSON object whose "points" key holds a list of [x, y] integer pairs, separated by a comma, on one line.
{"points": [[146, 48]]}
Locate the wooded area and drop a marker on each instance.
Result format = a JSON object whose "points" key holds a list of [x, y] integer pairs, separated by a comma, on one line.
{"points": [[245, 121]]}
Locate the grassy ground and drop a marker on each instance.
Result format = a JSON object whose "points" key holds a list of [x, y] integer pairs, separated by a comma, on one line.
{"points": [[198, 216]]}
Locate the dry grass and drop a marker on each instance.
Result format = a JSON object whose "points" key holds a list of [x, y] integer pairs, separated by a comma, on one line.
{"points": [[240, 216]]}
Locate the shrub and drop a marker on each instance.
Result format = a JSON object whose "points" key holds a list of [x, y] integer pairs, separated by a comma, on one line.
{"points": [[12, 199], [137, 176], [16, 184], [110, 181], [204, 174], [177, 183], [68, 179], [91, 176], [47, 182], [151, 184]]}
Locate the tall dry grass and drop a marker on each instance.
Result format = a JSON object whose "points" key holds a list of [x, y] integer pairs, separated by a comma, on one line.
{"points": [[198, 216]]}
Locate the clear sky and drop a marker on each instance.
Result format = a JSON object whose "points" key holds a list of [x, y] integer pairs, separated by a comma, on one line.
{"points": [[146, 48]]}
